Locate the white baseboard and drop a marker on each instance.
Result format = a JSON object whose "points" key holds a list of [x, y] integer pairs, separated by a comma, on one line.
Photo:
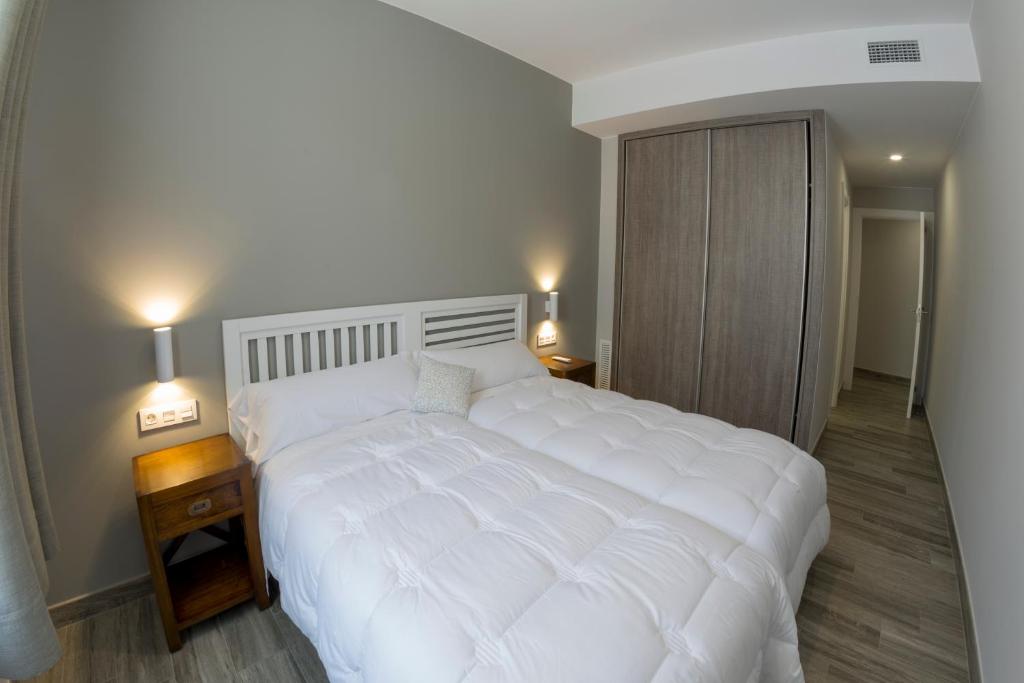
{"points": [[84, 606], [970, 635]]}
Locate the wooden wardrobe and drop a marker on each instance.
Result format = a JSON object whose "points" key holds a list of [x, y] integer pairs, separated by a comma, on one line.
{"points": [[720, 269]]}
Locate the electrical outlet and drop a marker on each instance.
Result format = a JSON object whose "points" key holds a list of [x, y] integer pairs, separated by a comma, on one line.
{"points": [[168, 414], [547, 338]]}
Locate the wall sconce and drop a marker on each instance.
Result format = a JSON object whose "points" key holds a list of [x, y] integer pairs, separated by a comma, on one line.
{"points": [[163, 414], [551, 306], [164, 354], [548, 335]]}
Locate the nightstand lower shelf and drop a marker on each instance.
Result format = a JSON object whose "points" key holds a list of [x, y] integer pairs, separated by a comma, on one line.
{"points": [[210, 583]]}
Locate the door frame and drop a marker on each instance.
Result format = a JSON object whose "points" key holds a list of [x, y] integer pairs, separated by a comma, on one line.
{"points": [[929, 304], [918, 309], [853, 299], [837, 371]]}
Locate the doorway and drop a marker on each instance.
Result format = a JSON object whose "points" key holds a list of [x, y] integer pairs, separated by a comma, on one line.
{"points": [[889, 296]]}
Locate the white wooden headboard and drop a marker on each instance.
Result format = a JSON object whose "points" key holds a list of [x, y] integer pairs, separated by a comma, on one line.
{"points": [[271, 346]]}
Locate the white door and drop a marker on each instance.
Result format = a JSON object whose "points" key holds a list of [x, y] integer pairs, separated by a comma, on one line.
{"points": [[918, 313]]}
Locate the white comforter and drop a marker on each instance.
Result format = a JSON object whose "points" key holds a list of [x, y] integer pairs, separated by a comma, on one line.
{"points": [[756, 487], [423, 548]]}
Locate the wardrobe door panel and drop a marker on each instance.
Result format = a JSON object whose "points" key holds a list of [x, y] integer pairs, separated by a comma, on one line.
{"points": [[756, 274], [662, 251]]}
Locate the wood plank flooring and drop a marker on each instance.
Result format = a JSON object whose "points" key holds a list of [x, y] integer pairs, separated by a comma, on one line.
{"points": [[881, 603], [126, 644]]}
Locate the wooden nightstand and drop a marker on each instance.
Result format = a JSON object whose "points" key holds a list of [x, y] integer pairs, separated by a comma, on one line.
{"points": [[579, 370], [188, 488]]}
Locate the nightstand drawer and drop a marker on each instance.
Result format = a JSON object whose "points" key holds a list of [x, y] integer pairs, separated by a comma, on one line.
{"points": [[197, 510]]}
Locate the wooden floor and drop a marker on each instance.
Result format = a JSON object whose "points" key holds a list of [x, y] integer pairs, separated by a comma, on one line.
{"points": [[126, 644], [881, 602]]}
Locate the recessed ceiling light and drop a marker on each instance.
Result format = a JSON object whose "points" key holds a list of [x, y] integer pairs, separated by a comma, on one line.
{"points": [[895, 157]]}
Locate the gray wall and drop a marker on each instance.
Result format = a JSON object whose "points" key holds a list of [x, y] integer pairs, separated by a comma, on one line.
{"points": [[247, 157], [890, 254], [899, 198], [975, 397]]}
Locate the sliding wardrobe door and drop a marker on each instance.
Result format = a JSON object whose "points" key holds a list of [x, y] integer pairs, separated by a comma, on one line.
{"points": [[757, 259], [661, 270]]}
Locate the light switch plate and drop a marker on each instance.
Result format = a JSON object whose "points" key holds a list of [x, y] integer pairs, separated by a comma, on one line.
{"points": [[168, 414], [549, 339]]}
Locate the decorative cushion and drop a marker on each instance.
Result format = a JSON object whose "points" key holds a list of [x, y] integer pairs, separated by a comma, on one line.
{"points": [[443, 388]]}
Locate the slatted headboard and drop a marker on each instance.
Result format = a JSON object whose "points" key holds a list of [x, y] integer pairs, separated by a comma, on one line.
{"points": [[271, 346]]}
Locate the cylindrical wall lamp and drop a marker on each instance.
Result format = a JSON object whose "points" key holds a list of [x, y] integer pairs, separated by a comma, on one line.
{"points": [[164, 354], [552, 306]]}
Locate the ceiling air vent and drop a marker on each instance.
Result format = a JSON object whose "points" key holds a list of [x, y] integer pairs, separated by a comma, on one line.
{"points": [[894, 51]]}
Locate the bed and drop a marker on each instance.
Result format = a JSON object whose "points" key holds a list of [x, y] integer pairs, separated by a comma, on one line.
{"points": [[422, 548], [428, 547], [756, 487]]}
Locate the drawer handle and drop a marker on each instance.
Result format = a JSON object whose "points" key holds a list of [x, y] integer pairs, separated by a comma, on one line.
{"points": [[200, 507]]}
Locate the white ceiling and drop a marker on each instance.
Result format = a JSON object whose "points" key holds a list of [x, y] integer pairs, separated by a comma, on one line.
{"points": [[921, 121], [580, 39], [870, 121]]}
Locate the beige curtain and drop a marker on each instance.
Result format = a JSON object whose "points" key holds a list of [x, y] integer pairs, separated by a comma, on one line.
{"points": [[28, 642]]}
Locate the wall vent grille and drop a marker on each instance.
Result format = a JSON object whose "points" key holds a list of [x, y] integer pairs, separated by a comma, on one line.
{"points": [[604, 364], [894, 51]]}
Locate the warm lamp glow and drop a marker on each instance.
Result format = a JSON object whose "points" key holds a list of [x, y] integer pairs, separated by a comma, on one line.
{"points": [[161, 312], [895, 157], [547, 334], [165, 391], [546, 259]]}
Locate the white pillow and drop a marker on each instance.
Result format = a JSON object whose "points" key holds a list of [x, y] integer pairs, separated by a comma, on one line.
{"points": [[276, 414], [495, 364], [443, 388]]}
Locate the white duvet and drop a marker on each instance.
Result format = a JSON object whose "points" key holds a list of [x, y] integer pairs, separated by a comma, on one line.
{"points": [[424, 548], [756, 487]]}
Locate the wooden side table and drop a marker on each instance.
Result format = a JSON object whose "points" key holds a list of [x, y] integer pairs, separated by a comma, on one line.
{"points": [[188, 488], [579, 370]]}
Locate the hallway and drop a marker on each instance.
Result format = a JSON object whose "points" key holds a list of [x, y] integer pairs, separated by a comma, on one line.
{"points": [[882, 600]]}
